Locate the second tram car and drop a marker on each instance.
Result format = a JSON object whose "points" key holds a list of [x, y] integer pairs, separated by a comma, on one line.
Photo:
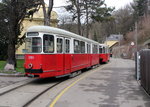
{"points": [[52, 52], [104, 53]]}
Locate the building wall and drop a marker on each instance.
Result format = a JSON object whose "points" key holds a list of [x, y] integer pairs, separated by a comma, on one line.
{"points": [[38, 19]]}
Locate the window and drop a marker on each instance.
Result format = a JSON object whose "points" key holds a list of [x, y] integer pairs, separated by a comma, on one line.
{"points": [[67, 46], [100, 50], [59, 45], [34, 45], [32, 34], [82, 47], [48, 43], [76, 46], [103, 49], [95, 49], [88, 48]]}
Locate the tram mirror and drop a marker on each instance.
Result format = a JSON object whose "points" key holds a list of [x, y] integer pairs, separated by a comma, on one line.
{"points": [[24, 50]]}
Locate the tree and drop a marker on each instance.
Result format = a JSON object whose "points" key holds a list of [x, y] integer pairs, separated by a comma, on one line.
{"points": [[99, 11], [3, 33], [140, 8], [124, 20], [16, 11], [90, 10], [47, 12], [75, 8]]}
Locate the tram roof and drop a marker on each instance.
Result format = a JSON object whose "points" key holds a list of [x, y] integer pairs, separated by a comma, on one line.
{"points": [[53, 30]]}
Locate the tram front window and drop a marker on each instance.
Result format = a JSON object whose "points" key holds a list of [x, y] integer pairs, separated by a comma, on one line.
{"points": [[34, 45]]}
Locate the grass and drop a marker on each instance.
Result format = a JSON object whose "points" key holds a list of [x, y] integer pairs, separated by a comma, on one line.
{"points": [[19, 68], [2, 64]]}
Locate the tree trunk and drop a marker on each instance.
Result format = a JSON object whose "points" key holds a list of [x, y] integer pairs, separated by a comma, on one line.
{"points": [[47, 12], [51, 3], [87, 20], [12, 34], [79, 15], [11, 60]]}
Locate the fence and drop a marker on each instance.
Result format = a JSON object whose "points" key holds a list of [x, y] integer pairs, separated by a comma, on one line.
{"points": [[137, 66], [145, 69]]}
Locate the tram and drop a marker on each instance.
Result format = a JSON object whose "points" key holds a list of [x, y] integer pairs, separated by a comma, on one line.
{"points": [[104, 53], [53, 52]]}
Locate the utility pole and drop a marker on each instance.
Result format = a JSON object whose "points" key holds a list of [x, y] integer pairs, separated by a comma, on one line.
{"points": [[136, 36], [119, 45], [148, 6]]}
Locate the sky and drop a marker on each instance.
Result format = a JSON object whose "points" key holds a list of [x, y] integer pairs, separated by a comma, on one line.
{"points": [[110, 3], [118, 3], [114, 3]]}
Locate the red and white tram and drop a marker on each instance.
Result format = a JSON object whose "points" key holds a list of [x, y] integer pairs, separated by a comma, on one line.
{"points": [[104, 53], [52, 52]]}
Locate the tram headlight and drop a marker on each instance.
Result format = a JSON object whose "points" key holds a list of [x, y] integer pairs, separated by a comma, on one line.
{"points": [[30, 65]]}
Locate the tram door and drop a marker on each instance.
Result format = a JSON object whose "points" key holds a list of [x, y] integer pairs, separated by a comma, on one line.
{"points": [[60, 55], [67, 56]]}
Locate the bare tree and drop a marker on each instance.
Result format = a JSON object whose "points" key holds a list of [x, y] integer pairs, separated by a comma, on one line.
{"points": [[47, 12], [75, 8]]}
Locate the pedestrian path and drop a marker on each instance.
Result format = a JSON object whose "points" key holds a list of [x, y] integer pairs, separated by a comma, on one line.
{"points": [[112, 86]]}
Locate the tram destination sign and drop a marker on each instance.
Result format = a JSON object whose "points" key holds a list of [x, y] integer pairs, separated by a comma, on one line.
{"points": [[32, 34]]}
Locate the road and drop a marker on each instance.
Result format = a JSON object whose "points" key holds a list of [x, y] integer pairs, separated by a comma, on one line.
{"points": [[110, 85]]}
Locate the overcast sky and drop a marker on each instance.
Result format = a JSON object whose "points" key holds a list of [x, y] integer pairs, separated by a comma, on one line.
{"points": [[118, 3], [115, 3], [110, 3]]}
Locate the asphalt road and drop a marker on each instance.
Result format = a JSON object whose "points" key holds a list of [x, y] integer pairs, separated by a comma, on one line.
{"points": [[112, 86]]}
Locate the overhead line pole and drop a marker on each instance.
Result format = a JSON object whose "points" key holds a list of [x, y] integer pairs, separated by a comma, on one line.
{"points": [[136, 36]]}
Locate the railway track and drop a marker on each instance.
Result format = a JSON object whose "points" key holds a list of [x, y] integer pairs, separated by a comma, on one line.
{"points": [[25, 94], [12, 87]]}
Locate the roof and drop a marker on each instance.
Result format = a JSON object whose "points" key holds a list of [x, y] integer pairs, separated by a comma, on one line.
{"points": [[53, 30], [147, 42], [111, 43], [115, 37]]}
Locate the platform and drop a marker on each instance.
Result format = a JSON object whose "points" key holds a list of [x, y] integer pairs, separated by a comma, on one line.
{"points": [[112, 86]]}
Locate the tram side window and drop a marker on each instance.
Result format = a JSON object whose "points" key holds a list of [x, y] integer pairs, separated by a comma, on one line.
{"points": [[59, 45], [82, 47], [103, 49], [88, 48], [48, 43], [100, 50], [67, 46], [95, 50], [106, 50], [76, 46]]}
